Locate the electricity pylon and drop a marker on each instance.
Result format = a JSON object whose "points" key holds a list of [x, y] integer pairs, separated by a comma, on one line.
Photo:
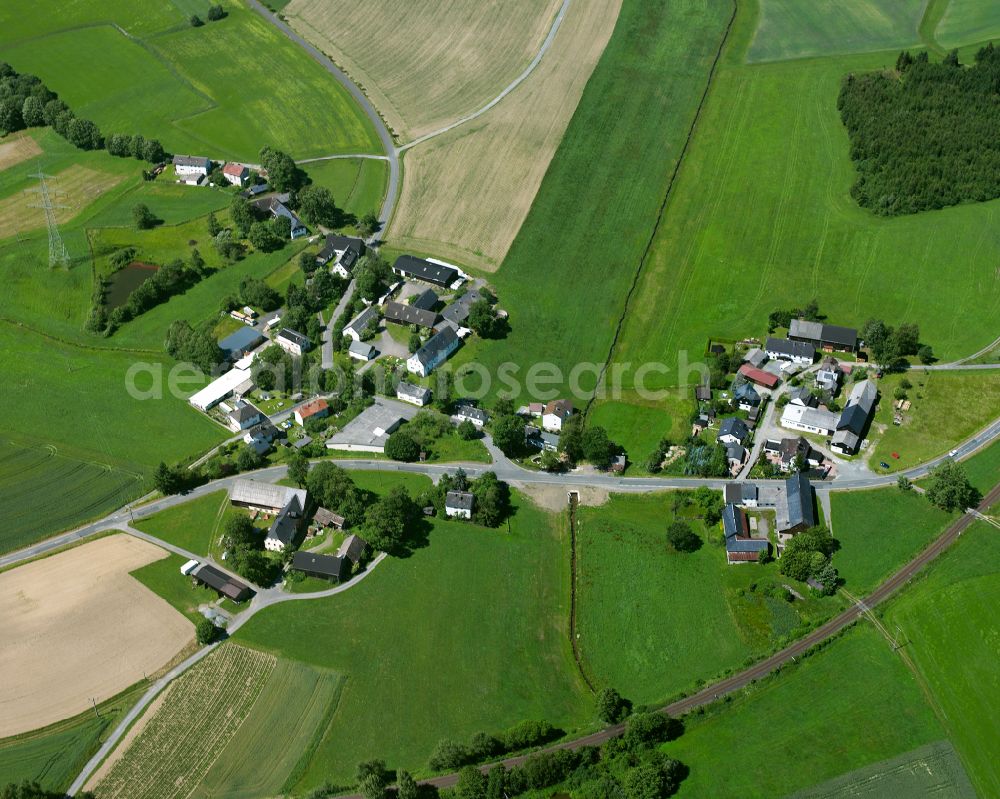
{"points": [[58, 254]]}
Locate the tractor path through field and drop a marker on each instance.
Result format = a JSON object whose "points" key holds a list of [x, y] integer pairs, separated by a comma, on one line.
{"points": [[392, 156], [510, 87], [263, 599], [764, 668]]}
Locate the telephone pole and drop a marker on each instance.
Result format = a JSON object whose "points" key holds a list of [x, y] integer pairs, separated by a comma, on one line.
{"points": [[58, 254]]}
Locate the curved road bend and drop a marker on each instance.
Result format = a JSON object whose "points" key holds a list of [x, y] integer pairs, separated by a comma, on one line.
{"points": [[711, 693]]}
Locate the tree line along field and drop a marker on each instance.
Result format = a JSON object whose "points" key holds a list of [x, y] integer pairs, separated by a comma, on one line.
{"points": [[761, 219], [595, 209], [491, 168], [224, 89], [435, 62], [470, 633]]}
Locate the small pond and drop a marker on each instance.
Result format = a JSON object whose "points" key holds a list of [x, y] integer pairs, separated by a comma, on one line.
{"points": [[125, 281]]}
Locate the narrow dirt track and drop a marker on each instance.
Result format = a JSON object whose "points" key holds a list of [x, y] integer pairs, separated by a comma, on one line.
{"points": [[760, 670]]}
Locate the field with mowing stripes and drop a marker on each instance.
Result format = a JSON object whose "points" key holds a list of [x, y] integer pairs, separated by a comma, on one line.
{"points": [[152, 73], [30, 472], [434, 62], [796, 29], [968, 22], [761, 219]]}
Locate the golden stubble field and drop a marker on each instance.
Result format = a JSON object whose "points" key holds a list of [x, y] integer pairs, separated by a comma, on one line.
{"points": [[18, 148], [426, 63], [466, 192], [76, 626]]}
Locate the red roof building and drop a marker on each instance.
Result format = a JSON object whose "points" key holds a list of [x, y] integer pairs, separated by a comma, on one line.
{"points": [[317, 408], [759, 376]]}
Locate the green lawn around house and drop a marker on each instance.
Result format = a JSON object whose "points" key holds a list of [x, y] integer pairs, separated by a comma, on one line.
{"points": [[879, 531], [163, 577], [223, 90], [952, 634], [192, 525], [469, 633], [847, 706], [652, 621], [945, 409]]}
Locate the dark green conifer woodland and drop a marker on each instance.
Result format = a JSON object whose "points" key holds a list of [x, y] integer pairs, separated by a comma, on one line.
{"points": [[926, 135]]}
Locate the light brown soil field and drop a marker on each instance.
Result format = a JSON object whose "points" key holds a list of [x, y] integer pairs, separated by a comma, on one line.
{"points": [[466, 192], [74, 188], [76, 626], [426, 63], [18, 148]]}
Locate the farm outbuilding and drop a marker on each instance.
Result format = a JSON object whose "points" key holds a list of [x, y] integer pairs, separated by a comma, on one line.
{"points": [[227, 586]]}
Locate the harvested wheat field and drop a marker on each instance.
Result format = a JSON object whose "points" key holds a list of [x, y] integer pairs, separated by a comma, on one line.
{"points": [[77, 626], [426, 63], [16, 149], [467, 192], [73, 189]]}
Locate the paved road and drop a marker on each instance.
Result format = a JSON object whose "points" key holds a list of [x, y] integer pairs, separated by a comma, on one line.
{"points": [[388, 145], [759, 671], [331, 331], [264, 598]]}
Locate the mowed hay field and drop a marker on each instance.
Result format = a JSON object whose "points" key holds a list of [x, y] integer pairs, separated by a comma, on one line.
{"points": [[85, 488], [952, 635], [224, 89], [425, 63], [76, 626], [213, 733], [968, 22], [761, 218], [17, 148], [468, 634], [800, 28], [848, 706], [490, 169]]}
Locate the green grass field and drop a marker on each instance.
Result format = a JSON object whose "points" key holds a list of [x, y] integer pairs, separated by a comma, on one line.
{"points": [[54, 755], [468, 634], [968, 22], [190, 525], [930, 771], [652, 621], [879, 531], [849, 706], [983, 468], [616, 157], [224, 89], [795, 29], [761, 219], [946, 408], [358, 184], [163, 577], [953, 637], [29, 471], [638, 427]]}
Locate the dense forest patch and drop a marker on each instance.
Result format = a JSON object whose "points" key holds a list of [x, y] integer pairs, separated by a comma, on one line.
{"points": [[925, 135]]}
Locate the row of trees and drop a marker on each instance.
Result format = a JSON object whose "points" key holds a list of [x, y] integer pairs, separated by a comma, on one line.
{"points": [[890, 346], [925, 135], [808, 555], [450, 755], [215, 13]]}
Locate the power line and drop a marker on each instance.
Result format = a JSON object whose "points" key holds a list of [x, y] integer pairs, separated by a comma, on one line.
{"points": [[58, 254]]}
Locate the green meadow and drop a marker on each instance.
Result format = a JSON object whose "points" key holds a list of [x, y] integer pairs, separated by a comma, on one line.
{"points": [[224, 89], [968, 22], [190, 525], [470, 633], [848, 706], [952, 635], [163, 577], [358, 184], [652, 622]]}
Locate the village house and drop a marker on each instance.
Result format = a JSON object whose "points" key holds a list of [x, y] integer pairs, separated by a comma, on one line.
{"points": [[756, 357], [746, 396], [789, 453], [533, 410], [435, 351], [824, 337], [413, 268], [361, 323], [759, 376], [743, 494], [740, 546], [285, 526], [458, 504], [796, 508], [243, 416], [353, 549], [314, 409], [464, 412], [327, 518], [275, 206], [240, 343], [262, 497], [344, 251], [736, 456], [733, 431], [370, 429], [540, 439], [361, 351], [458, 312], [292, 342], [426, 300], [854, 418], [404, 314], [800, 395], [413, 394], [703, 393], [828, 379], [216, 579], [261, 436], [809, 420], [324, 567], [236, 174], [197, 166], [555, 415], [783, 349]]}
